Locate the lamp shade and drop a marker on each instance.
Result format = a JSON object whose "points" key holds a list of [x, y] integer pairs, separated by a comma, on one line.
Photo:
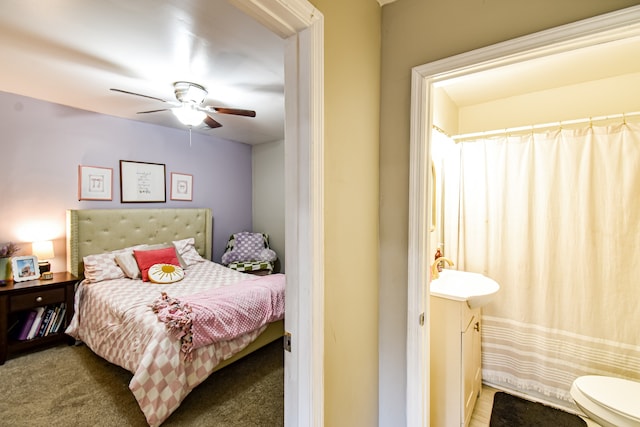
{"points": [[43, 250]]}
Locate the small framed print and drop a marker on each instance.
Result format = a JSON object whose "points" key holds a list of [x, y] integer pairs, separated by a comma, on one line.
{"points": [[25, 268], [142, 182], [95, 183], [181, 186]]}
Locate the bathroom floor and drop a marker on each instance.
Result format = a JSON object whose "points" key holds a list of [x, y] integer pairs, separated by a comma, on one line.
{"points": [[482, 411]]}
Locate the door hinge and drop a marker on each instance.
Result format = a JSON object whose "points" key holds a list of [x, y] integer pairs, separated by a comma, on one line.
{"points": [[421, 319], [287, 341]]}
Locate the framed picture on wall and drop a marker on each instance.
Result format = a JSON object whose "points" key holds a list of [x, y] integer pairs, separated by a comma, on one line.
{"points": [[25, 268], [142, 182], [181, 186], [95, 183]]}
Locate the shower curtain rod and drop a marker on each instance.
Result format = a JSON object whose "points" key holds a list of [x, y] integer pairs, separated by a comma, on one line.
{"points": [[531, 128]]}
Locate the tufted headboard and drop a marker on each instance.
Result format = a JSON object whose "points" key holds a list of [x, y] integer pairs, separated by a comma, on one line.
{"points": [[93, 231]]}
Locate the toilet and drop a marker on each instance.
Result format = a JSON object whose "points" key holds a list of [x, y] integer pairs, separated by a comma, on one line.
{"points": [[608, 401]]}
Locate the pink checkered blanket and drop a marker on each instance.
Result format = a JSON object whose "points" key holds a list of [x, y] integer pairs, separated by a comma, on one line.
{"points": [[113, 318], [221, 314]]}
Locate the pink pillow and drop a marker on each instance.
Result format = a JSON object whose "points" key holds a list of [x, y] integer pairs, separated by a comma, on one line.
{"points": [[146, 259]]}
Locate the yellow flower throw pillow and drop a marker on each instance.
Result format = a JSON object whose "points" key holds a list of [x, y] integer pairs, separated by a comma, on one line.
{"points": [[165, 273]]}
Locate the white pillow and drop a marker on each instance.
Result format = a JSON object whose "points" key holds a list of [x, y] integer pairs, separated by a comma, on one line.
{"points": [[187, 251], [127, 262]]}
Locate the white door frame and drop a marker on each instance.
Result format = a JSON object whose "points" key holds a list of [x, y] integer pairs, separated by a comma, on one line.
{"points": [[302, 26], [613, 26]]}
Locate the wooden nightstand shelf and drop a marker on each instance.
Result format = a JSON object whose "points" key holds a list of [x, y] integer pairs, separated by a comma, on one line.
{"points": [[18, 298]]}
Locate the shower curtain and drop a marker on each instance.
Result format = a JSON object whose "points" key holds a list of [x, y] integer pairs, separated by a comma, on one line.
{"points": [[554, 218]]}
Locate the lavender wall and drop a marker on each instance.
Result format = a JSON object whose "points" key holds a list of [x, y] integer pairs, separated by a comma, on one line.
{"points": [[42, 144]]}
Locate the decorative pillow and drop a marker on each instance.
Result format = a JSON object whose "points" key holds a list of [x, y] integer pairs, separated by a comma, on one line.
{"points": [[268, 255], [162, 246], [101, 267], [187, 251], [127, 262], [248, 247], [145, 259], [165, 273]]}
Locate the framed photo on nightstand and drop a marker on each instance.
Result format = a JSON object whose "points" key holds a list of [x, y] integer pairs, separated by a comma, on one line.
{"points": [[25, 268]]}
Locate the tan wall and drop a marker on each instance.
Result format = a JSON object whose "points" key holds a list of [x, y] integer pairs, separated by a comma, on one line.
{"points": [[352, 115], [417, 32]]}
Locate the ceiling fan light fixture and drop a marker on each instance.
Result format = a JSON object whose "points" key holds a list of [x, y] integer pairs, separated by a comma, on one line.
{"points": [[195, 94], [189, 109], [189, 115], [190, 92]]}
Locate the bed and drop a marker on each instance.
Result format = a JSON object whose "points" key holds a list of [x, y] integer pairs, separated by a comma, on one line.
{"points": [[114, 315]]}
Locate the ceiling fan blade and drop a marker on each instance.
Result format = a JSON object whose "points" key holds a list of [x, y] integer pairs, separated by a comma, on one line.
{"points": [[211, 123], [138, 94], [235, 111], [152, 111]]}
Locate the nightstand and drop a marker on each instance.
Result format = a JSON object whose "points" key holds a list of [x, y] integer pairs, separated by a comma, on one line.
{"points": [[18, 298]]}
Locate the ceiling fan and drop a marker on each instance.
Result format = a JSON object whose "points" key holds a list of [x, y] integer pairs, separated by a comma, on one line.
{"points": [[188, 108]]}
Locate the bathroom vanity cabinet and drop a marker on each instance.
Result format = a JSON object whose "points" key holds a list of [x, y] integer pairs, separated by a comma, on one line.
{"points": [[456, 365]]}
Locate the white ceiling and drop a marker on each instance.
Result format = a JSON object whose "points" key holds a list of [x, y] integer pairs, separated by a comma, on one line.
{"points": [[72, 52], [601, 61]]}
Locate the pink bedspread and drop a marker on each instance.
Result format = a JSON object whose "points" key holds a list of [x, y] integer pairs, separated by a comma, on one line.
{"points": [[114, 319], [222, 314]]}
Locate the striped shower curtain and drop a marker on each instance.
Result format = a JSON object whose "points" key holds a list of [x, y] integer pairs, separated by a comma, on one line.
{"points": [[554, 218]]}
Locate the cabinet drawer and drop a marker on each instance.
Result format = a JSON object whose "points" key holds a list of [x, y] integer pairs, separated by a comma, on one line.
{"points": [[36, 299]]}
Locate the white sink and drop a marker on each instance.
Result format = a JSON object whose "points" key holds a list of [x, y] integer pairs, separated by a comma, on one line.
{"points": [[474, 288]]}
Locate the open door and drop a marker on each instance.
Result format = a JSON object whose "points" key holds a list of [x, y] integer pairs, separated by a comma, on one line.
{"points": [[301, 25]]}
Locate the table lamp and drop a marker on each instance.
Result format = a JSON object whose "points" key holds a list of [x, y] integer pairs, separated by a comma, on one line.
{"points": [[44, 252]]}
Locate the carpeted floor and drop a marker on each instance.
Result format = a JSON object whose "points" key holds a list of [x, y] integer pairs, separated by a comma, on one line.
{"points": [[71, 386], [512, 411]]}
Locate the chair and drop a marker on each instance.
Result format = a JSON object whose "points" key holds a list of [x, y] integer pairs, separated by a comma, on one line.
{"points": [[249, 253]]}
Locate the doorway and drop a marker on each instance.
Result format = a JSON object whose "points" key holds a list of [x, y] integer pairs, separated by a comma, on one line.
{"points": [[611, 27], [301, 25]]}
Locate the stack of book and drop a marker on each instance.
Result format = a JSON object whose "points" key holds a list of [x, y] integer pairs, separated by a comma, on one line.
{"points": [[42, 321]]}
